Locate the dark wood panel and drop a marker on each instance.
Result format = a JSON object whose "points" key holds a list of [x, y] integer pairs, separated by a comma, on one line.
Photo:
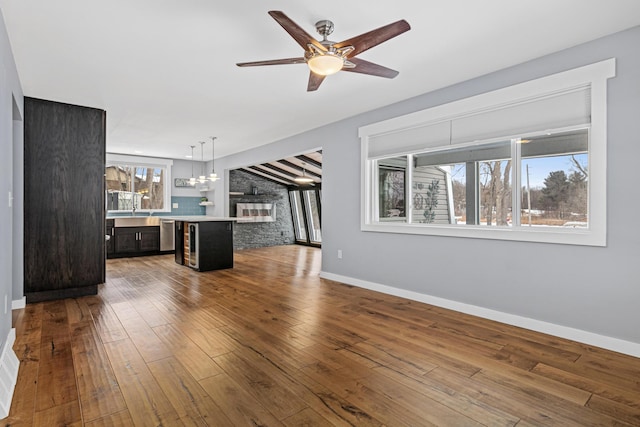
{"points": [[64, 243]]}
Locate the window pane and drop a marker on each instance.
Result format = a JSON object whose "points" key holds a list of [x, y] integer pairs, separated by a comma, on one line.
{"points": [[463, 185], [495, 192], [555, 186], [119, 197], [298, 217], [391, 188], [429, 194], [149, 185], [313, 216], [459, 192]]}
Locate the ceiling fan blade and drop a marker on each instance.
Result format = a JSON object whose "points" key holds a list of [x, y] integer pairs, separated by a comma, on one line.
{"points": [[315, 81], [272, 62], [374, 37], [366, 67], [295, 31]]}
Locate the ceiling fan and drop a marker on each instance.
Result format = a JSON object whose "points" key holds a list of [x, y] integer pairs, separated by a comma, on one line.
{"points": [[325, 57]]}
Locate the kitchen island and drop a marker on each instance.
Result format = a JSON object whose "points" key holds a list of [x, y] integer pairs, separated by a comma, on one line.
{"points": [[204, 243]]}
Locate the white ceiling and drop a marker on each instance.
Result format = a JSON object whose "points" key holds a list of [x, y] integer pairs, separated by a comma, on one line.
{"points": [[164, 70]]}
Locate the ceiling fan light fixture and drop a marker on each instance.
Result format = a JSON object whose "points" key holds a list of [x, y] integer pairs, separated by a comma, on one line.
{"points": [[325, 64], [303, 179]]}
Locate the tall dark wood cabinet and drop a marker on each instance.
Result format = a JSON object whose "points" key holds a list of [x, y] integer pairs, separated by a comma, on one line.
{"points": [[64, 212]]}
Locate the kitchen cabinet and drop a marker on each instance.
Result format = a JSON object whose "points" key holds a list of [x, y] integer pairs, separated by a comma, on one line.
{"points": [[110, 231], [64, 200], [131, 241]]}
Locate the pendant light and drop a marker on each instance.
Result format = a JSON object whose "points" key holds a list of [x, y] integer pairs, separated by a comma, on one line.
{"points": [[192, 180], [213, 177], [304, 179], [202, 179]]}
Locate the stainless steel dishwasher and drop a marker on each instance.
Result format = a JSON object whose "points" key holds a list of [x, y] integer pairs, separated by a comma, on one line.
{"points": [[167, 235]]}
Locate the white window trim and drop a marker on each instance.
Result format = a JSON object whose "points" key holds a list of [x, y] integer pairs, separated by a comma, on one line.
{"points": [[120, 159], [595, 75]]}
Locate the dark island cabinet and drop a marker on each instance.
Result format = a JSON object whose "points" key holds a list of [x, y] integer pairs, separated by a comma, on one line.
{"points": [[215, 245], [131, 241], [64, 216], [204, 245]]}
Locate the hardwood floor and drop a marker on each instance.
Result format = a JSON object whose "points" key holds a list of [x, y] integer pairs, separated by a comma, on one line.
{"points": [[269, 343]]}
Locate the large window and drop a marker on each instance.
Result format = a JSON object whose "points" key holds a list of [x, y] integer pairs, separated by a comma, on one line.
{"points": [[523, 163], [136, 184], [306, 211]]}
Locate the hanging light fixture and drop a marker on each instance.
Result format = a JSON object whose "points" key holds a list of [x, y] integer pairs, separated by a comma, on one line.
{"points": [[213, 176], [304, 179], [192, 180], [202, 178]]}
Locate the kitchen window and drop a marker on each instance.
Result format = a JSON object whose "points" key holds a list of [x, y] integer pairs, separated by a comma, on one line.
{"points": [[138, 184], [527, 162]]}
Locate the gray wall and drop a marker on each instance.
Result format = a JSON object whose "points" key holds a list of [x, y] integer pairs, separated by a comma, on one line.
{"points": [[182, 169], [11, 181], [261, 234], [591, 289]]}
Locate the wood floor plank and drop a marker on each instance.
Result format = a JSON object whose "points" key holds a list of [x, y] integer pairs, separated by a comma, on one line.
{"points": [[119, 419], [559, 409], [192, 357], [615, 410], [67, 414], [149, 346], [56, 376], [341, 410], [457, 400], [294, 383], [212, 341], [107, 323], [188, 398], [237, 404], [280, 401], [269, 342], [27, 349], [77, 311], [147, 403], [98, 389], [614, 393], [307, 418], [528, 408]]}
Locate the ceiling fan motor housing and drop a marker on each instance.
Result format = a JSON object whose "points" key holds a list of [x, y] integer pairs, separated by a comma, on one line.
{"points": [[324, 28]]}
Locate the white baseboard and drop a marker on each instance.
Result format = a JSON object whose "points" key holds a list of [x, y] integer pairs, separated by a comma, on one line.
{"points": [[9, 365], [17, 304], [590, 338]]}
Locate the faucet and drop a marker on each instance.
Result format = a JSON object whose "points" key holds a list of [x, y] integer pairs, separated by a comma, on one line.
{"points": [[150, 213], [133, 210]]}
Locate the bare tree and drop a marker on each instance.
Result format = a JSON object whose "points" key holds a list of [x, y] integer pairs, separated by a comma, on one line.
{"points": [[496, 191], [580, 168]]}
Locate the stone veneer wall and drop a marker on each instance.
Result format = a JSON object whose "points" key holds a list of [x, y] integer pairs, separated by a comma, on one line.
{"points": [[260, 234]]}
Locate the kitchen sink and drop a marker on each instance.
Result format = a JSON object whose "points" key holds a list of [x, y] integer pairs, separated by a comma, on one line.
{"points": [[137, 221]]}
